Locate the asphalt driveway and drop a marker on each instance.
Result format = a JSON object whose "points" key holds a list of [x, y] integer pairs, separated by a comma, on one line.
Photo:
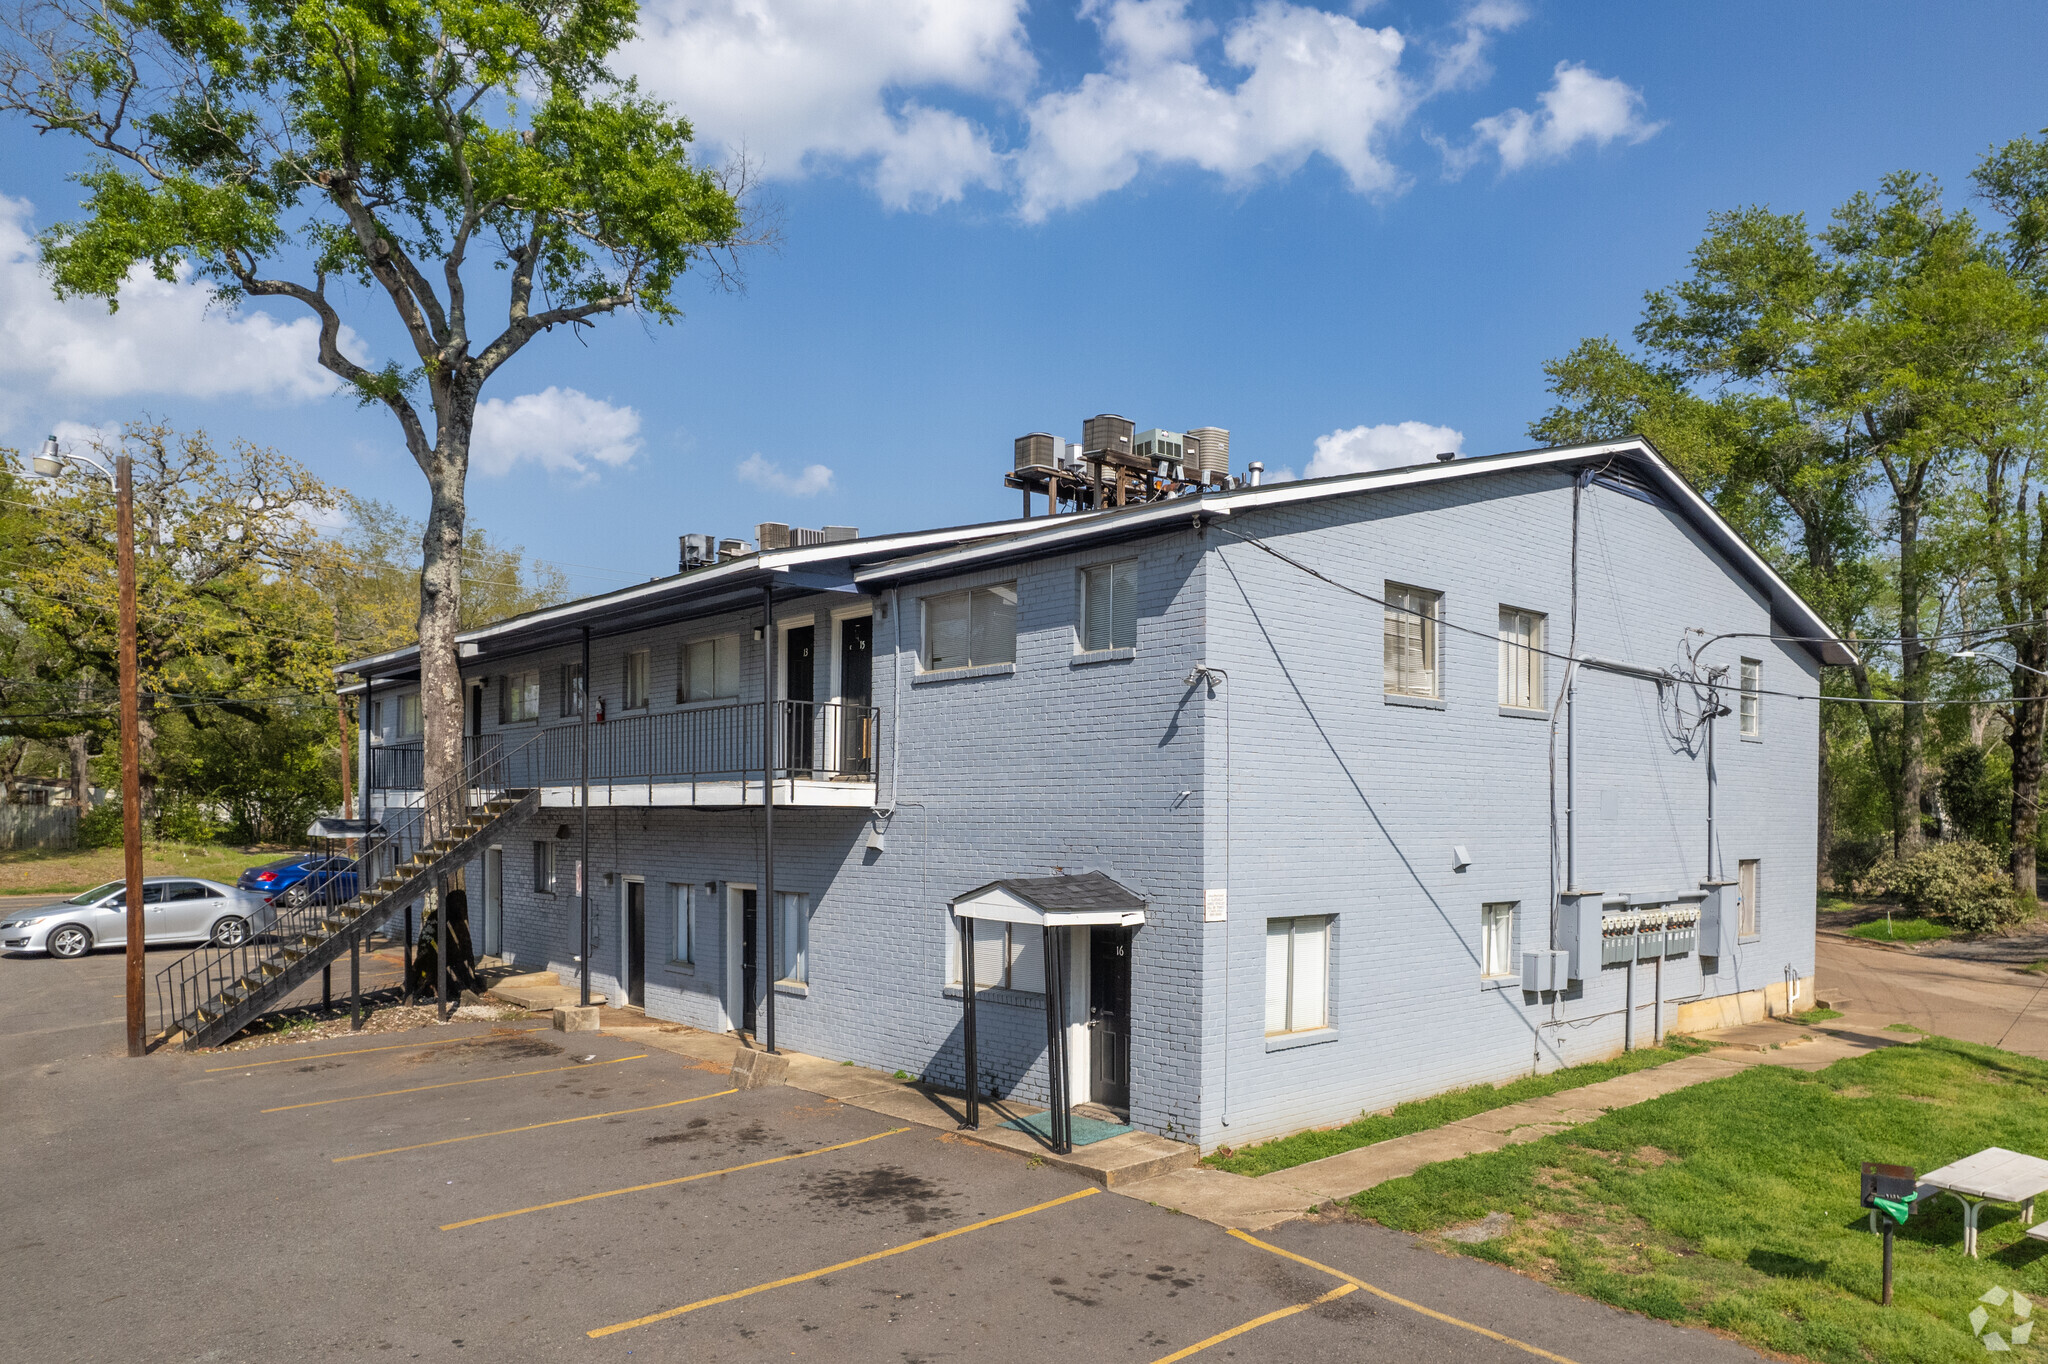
{"points": [[507, 1190]]}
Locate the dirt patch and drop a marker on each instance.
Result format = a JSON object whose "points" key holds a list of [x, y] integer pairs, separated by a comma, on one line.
{"points": [[886, 1188], [1654, 1155], [1853, 1092], [311, 1026]]}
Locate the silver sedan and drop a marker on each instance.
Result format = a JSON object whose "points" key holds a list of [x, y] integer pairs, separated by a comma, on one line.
{"points": [[175, 909]]}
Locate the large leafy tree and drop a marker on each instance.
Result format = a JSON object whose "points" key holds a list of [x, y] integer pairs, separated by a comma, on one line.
{"points": [[280, 148]]}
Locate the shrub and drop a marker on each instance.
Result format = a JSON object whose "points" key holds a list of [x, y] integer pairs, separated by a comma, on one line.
{"points": [[100, 826], [1961, 884], [182, 819]]}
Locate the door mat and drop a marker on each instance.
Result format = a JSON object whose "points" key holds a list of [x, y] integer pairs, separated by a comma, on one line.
{"points": [[1087, 1131]]}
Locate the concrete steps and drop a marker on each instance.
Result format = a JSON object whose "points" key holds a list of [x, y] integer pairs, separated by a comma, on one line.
{"points": [[540, 992]]}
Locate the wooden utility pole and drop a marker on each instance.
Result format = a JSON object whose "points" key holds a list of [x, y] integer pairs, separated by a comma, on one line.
{"points": [[131, 750]]}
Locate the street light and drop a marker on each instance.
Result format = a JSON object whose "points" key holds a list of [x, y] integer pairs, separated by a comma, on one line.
{"points": [[2003, 663], [49, 463]]}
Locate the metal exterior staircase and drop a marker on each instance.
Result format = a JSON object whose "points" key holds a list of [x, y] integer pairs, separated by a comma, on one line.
{"points": [[214, 992]]}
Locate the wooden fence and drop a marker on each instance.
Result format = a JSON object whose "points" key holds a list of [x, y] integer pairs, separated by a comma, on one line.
{"points": [[38, 826]]}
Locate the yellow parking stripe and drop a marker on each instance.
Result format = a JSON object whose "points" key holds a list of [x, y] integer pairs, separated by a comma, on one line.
{"points": [[1400, 1301], [1255, 1323], [679, 1179], [451, 1084], [834, 1269], [530, 1127], [364, 1051]]}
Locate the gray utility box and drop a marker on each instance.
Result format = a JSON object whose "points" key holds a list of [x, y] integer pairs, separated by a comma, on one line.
{"points": [[1578, 933], [1718, 918], [1546, 970]]}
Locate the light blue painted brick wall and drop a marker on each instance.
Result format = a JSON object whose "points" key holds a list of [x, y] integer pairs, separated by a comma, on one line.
{"points": [[1335, 803]]}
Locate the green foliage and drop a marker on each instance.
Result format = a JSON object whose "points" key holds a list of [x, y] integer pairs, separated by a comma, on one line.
{"points": [[1961, 884], [1733, 1204], [269, 776], [100, 827], [1900, 928], [1977, 789], [183, 818], [1423, 1114]]}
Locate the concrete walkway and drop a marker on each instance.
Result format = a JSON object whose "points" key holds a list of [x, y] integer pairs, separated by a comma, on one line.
{"points": [[1253, 1204]]}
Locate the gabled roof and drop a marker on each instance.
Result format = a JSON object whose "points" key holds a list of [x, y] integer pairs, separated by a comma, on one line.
{"points": [[1086, 898], [881, 561], [1633, 455]]}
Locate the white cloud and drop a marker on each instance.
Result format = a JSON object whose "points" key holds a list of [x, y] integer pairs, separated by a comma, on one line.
{"points": [[803, 84], [1581, 106], [928, 100], [766, 473], [1390, 445], [563, 430], [1315, 82], [166, 338]]}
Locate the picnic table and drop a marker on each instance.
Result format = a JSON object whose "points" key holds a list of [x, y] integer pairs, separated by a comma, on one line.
{"points": [[1994, 1175]]}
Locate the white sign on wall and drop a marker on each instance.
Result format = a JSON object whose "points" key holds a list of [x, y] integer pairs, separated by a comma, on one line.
{"points": [[1215, 906]]}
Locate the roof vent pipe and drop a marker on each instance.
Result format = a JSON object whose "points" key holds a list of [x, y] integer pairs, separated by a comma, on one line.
{"points": [[1257, 471], [1446, 457]]}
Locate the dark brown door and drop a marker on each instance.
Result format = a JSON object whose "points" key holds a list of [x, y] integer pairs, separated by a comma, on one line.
{"points": [[636, 944], [802, 689], [749, 959], [856, 695], [1109, 1017]]}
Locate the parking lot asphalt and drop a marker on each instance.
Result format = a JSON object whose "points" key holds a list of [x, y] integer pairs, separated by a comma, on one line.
{"points": [[505, 1191]]}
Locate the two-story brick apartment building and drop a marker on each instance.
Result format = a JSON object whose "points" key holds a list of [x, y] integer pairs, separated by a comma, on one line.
{"points": [[1315, 734]]}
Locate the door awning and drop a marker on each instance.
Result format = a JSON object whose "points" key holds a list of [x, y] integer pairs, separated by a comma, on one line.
{"points": [[1054, 901]]}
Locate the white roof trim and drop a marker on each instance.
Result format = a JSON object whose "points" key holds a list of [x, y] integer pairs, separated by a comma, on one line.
{"points": [[1049, 539], [997, 905]]}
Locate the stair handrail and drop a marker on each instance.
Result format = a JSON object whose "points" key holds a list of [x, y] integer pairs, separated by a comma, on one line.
{"points": [[311, 910]]}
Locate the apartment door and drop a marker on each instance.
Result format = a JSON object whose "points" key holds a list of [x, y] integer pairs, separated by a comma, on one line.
{"points": [[636, 943], [801, 688], [856, 694], [1109, 1017], [494, 902], [742, 966]]}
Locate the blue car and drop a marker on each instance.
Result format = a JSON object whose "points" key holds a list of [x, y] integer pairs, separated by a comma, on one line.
{"points": [[297, 878]]}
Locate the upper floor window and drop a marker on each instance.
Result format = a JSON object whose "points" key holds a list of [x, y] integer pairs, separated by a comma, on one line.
{"points": [[1752, 698], [639, 672], [710, 670], [409, 722], [1109, 607], [1521, 659], [519, 697], [1411, 624], [971, 629], [572, 689]]}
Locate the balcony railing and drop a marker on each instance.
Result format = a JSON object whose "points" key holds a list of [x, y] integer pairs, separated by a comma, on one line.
{"points": [[814, 740]]}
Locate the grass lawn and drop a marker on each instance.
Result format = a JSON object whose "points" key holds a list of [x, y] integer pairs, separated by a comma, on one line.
{"points": [[1424, 1114], [1733, 1204], [1899, 928], [36, 871]]}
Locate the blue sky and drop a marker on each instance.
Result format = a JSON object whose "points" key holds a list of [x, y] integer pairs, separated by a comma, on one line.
{"points": [[1310, 226]]}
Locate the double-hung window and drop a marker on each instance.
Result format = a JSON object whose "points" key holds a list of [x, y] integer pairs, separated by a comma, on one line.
{"points": [[682, 944], [971, 629], [409, 723], [1297, 974], [1109, 607], [710, 670], [1752, 698], [543, 867], [1496, 941], [1006, 957], [639, 671], [572, 689], [1521, 659], [1411, 647], [519, 697], [793, 936]]}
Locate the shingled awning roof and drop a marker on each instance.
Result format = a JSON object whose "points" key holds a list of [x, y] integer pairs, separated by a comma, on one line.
{"points": [[1088, 898]]}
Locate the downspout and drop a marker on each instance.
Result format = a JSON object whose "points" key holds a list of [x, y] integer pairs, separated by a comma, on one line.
{"points": [[895, 694], [768, 906], [1711, 713], [583, 809]]}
